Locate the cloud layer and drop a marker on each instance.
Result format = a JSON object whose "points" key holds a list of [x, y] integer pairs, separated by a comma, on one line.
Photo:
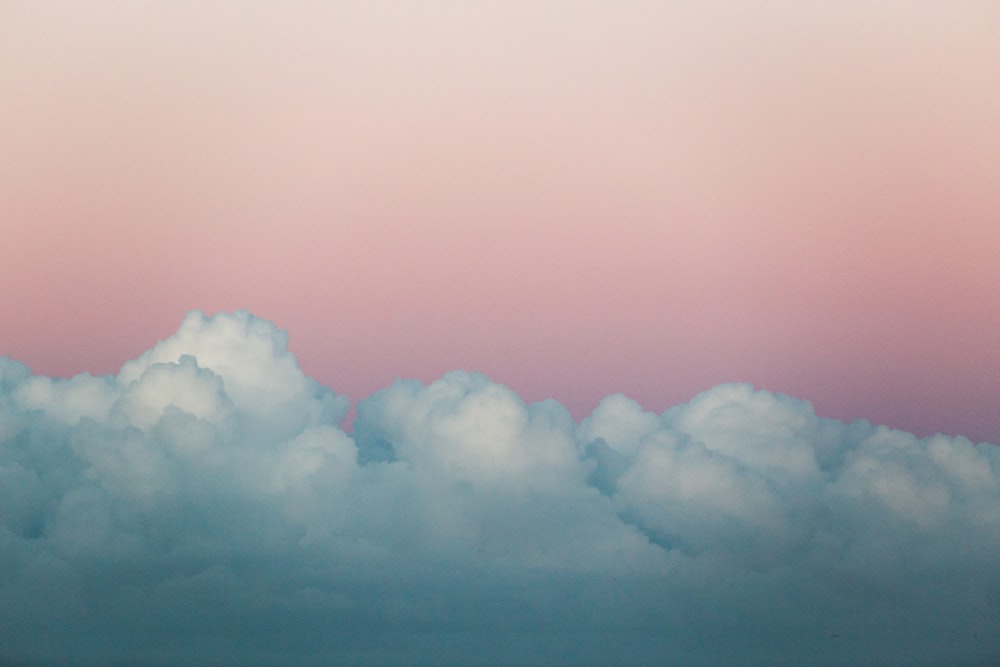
{"points": [[205, 506]]}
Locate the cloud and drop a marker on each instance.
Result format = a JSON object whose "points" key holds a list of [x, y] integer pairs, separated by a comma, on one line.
{"points": [[204, 505]]}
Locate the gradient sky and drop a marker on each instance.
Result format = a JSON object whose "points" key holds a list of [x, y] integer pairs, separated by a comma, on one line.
{"points": [[575, 198]]}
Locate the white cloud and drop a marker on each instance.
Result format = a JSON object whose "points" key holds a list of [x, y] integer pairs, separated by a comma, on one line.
{"points": [[67, 401], [207, 497]]}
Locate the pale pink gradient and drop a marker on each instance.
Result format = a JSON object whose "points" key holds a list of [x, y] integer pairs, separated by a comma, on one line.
{"points": [[574, 198]]}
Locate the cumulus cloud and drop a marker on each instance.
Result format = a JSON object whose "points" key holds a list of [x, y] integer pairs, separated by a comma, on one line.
{"points": [[204, 505]]}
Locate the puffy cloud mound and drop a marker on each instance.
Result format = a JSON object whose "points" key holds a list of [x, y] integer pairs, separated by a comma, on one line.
{"points": [[204, 506]]}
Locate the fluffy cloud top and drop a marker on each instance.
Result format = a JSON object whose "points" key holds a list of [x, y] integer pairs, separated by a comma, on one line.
{"points": [[204, 506]]}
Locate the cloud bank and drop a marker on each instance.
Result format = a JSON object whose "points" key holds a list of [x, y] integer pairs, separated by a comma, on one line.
{"points": [[204, 506]]}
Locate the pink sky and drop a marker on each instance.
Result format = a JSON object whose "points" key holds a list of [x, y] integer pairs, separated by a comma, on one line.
{"points": [[576, 198]]}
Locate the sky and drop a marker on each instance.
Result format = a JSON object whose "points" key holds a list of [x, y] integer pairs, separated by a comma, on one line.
{"points": [[574, 198], [564, 330]]}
